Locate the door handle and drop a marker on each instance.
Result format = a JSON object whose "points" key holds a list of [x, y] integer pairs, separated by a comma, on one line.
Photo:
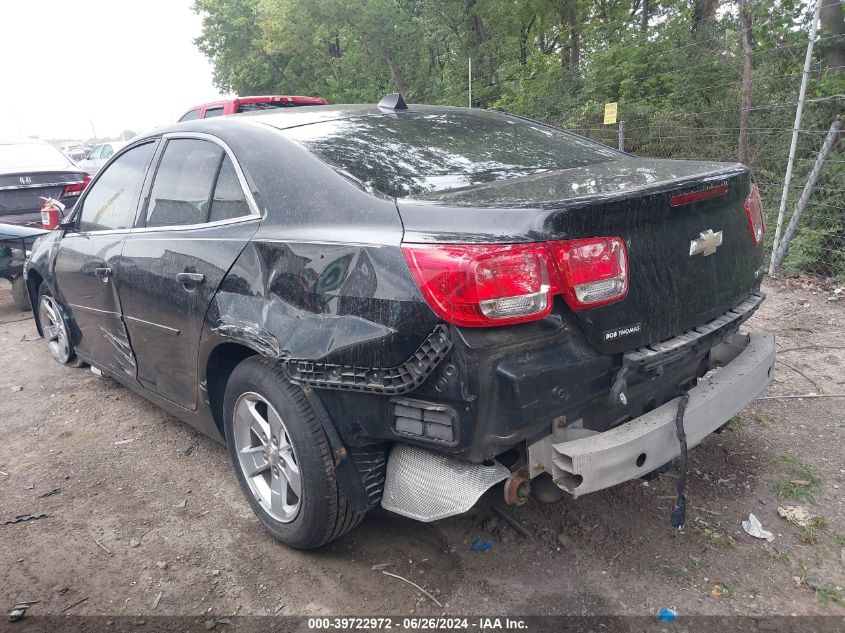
{"points": [[103, 273], [190, 278]]}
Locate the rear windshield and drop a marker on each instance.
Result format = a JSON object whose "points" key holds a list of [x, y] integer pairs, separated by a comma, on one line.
{"points": [[23, 156], [415, 153]]}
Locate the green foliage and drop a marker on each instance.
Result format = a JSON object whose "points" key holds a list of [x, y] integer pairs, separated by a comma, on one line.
{"points": [[676, 76], [804, 481]]}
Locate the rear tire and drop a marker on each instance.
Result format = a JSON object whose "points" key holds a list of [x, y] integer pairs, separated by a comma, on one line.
{"points": [[282, 457], [19, 294], [55, 329]]}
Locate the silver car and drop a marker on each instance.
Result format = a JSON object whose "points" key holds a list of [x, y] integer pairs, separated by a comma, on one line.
{"points": [[99, 155]]}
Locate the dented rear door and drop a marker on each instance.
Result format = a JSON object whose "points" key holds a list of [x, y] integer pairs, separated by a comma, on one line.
{"points": [[196, 221]]}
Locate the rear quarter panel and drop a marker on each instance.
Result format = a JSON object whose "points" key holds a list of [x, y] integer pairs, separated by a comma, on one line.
{"points": [[323, 278]]}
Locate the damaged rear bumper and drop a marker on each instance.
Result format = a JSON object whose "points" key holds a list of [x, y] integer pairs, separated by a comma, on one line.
{"points": [[631, 450]]}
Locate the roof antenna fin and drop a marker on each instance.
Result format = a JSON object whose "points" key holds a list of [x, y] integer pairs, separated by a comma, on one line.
{"points": [[393, 101]]}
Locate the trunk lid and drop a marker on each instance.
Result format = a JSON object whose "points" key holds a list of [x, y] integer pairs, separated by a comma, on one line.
{"points": [[670, 290], [20, 191]]}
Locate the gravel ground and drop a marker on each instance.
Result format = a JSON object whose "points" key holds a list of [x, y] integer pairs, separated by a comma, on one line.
{"points": [[157, 525]]}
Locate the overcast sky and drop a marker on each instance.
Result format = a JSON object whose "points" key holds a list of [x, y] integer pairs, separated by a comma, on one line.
{"points": [[116, 64]]}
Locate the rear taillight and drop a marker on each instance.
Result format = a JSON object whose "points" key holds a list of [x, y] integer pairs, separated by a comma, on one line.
{"points": [[754, 213], [77, 188], [483, 284], [593, 272], [480, 285]]}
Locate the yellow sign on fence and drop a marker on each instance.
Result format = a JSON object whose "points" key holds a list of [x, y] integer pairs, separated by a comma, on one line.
{"points": [[610, 110]]}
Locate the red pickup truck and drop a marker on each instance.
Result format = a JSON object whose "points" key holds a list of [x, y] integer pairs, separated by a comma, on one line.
{"points": [[249, 104]]}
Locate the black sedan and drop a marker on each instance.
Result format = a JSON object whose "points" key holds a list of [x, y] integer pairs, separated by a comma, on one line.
{"points": [[30, 170], [407, 305]]}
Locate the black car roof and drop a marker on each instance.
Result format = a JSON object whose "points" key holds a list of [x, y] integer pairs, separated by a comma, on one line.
{"points": [[285, 118]]}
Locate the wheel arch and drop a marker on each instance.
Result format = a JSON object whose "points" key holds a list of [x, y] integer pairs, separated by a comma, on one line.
{"points": [[219, 367]]}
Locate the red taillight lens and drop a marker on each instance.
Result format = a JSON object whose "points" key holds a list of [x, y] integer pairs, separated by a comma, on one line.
{"points": [[483, 284], [78, 187], [479, 285], [593, 272], [754, 213]]}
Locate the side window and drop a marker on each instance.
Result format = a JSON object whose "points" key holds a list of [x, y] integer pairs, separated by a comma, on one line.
{"points": [[229, 200], [111, 201], [190, 116], [94, 153], [182, 187], [210, 112], [106, 152]]}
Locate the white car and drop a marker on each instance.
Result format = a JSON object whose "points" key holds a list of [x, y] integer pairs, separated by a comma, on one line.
{"points": [[99, 155]]}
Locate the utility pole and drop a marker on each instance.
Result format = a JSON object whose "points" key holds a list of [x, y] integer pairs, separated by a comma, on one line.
{"points": [[745, 94], [799, 111], [469, 82]]}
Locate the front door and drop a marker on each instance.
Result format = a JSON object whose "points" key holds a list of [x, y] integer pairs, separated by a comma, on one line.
{"points": [[87, 261], [193, 226]]}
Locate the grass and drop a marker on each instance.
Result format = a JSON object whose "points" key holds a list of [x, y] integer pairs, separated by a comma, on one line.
{"points": [[840, 539], [719, 540], [831, 592], [778, 556], [819, 523], [809, 536], [804, 482], [723, 590], [825, 591], [763, 419], [737, 423]]}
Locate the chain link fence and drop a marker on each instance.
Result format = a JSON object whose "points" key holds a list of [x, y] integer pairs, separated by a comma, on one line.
{"points": [[818, 247]]}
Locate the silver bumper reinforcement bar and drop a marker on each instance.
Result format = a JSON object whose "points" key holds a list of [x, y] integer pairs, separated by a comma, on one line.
{"points": [[631, 450]]}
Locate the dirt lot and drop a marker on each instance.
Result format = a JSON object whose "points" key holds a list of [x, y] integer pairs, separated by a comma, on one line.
{"points": [[163, 514]]}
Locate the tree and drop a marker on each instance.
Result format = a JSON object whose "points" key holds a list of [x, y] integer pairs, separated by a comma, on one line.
{"points": [[691, 77], [832, 24]]}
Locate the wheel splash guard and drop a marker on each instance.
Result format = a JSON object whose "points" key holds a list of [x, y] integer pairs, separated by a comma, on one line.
{"points": [[427, 485]]}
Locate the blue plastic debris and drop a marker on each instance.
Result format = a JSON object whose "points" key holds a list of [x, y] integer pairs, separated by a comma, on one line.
{"points": [[667, 615], [480, 545]]}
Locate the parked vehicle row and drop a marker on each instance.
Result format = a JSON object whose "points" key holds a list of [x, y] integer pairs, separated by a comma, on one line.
{"points": [[15, 246], [99, 155], [407, 305], [249, 104], [31, 170]]}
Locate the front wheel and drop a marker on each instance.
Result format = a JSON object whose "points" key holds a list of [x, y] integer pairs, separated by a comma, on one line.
{"points": [[282, 457], [55, 329]]}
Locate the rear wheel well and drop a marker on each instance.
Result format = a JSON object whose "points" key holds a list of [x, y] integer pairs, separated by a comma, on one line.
{"points": [[221, 363]]}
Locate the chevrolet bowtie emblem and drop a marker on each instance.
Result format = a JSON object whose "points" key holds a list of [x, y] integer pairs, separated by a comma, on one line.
{"points": [[706, 243]]}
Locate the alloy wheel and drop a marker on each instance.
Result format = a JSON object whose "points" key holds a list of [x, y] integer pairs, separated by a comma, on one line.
{"points": [[54, 329], [266, 457]]}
